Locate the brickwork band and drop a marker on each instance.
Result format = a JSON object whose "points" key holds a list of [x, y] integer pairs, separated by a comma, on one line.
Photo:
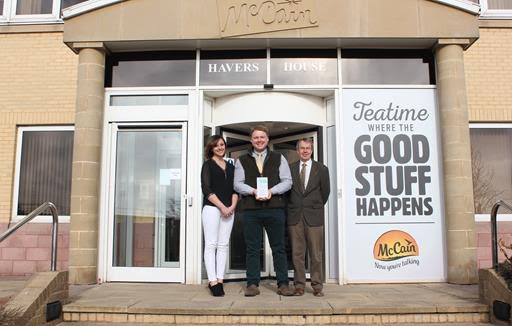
{"points": [[458, 187], [83, 247]]}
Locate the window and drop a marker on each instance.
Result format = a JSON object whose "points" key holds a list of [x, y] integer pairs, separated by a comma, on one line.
{"points": [[26, 11], [491, 156], [69, 3], [236, 67], [387, 67], [43, 169], [34, 7], [496, 8], [303, 67], [176, 68]]}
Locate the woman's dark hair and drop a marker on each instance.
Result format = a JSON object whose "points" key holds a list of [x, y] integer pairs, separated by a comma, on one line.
{"points": [[212, 142]]}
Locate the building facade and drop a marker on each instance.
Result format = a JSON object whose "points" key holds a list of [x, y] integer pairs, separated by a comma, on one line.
{"points": [[106, 108]]}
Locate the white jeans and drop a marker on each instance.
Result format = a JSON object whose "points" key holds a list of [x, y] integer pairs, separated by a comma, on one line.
{"points": [[217, 231]]}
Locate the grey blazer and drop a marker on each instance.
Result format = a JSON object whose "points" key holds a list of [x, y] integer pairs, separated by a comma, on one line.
{"points": [[309, 202]]}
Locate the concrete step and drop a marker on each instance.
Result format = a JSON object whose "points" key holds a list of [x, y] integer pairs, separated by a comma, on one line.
{"points": [[137, 303]]}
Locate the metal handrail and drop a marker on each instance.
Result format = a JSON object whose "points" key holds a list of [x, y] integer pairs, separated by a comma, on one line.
{"points": [[31, 216], [494, 232]]}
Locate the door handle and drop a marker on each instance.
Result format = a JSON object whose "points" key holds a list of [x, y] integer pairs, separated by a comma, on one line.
{"points": [[189, 200]]}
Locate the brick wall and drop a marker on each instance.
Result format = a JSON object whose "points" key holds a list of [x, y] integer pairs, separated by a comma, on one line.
{"points": [[483, 233], [488, 68], [37, 87], [28, 250]]}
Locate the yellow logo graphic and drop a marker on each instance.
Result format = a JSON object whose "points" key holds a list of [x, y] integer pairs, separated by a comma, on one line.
{"points": [[395, 244]]}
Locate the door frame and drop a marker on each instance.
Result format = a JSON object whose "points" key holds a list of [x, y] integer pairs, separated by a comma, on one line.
{"points": [[145, 274], [154, 115], [269, 270], [333, 118]]}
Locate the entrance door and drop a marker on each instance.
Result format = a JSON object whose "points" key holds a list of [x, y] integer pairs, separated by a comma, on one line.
{"points": [[147, 203], [237, 145]]}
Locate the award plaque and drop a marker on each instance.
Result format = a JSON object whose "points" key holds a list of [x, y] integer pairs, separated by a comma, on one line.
{"points": [[262, 187]]}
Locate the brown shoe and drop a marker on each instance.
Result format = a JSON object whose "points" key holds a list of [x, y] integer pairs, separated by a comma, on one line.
{"points": [[252, 290], [299, 292], [285, 290], [318, 293]]}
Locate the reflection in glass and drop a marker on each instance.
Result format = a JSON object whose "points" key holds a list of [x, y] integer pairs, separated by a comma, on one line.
{"points": [[380, 71], [141, 100], [491, 160], [1, 7], [147, 204], [499, 4], [45, 171], [177, 68], [69, 3], [34, 7]]}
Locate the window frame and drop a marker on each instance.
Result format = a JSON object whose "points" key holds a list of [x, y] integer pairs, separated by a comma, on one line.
{"points": [[9, 14], [16, 182], [491, 125], [3, 11], [493, 13]]}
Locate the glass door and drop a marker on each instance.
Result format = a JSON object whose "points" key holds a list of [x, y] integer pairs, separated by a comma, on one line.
{"points": [[147, 203]]}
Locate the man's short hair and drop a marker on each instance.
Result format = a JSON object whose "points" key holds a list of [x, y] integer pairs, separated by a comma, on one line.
{"points": [[259, 128], [306, 140]]}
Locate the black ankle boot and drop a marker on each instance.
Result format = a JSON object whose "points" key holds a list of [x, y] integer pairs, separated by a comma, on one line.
{"points": [[217, 290], [222, 288]]}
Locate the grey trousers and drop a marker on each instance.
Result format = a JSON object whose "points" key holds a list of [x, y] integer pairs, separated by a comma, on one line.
{"points": [[310, 238]]}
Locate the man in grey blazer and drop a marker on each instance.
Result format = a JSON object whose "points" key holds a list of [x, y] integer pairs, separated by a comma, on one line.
{"points": [[306, 202]]}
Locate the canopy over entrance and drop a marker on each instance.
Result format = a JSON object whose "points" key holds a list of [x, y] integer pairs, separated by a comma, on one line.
{"points": [[189, 24]]}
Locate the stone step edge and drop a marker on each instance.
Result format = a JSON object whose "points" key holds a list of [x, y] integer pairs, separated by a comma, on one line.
{"points": [[371, 310], [464, 317]]}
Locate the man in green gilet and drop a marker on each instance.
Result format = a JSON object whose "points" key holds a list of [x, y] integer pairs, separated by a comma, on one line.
{"points": [[263, 212]]}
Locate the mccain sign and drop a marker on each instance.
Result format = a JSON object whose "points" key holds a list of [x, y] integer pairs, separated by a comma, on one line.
{"points": [[259, 16]]}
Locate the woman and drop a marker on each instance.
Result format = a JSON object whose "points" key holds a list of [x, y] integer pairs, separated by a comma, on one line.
{"points": [[218, 207]]}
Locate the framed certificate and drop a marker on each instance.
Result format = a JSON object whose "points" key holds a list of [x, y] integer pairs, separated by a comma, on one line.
{"points": [[262, 187]]}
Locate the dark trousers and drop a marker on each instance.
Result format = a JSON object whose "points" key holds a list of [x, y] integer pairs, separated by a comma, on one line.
{"points": [[273, 220], [311, 238]]}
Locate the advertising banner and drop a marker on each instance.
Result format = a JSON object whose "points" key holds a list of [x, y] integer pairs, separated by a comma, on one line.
{"points": [[392, 186]]}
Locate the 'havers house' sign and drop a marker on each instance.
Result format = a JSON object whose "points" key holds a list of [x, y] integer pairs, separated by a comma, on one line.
{"points": [[392, 186], [259, 16]]}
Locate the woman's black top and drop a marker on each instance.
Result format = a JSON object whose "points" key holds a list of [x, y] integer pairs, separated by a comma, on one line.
{"points": [[216, 181]]}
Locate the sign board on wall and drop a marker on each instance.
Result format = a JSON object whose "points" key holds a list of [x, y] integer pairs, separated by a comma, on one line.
{"points": [[392, 186], [258, 16]]}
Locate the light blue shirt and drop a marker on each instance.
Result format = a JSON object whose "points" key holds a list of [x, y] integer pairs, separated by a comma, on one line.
{"points": [[284, 174]]}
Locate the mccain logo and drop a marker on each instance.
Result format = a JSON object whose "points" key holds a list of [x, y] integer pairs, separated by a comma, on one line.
{"points": [[244, 17], [395, 244]]}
